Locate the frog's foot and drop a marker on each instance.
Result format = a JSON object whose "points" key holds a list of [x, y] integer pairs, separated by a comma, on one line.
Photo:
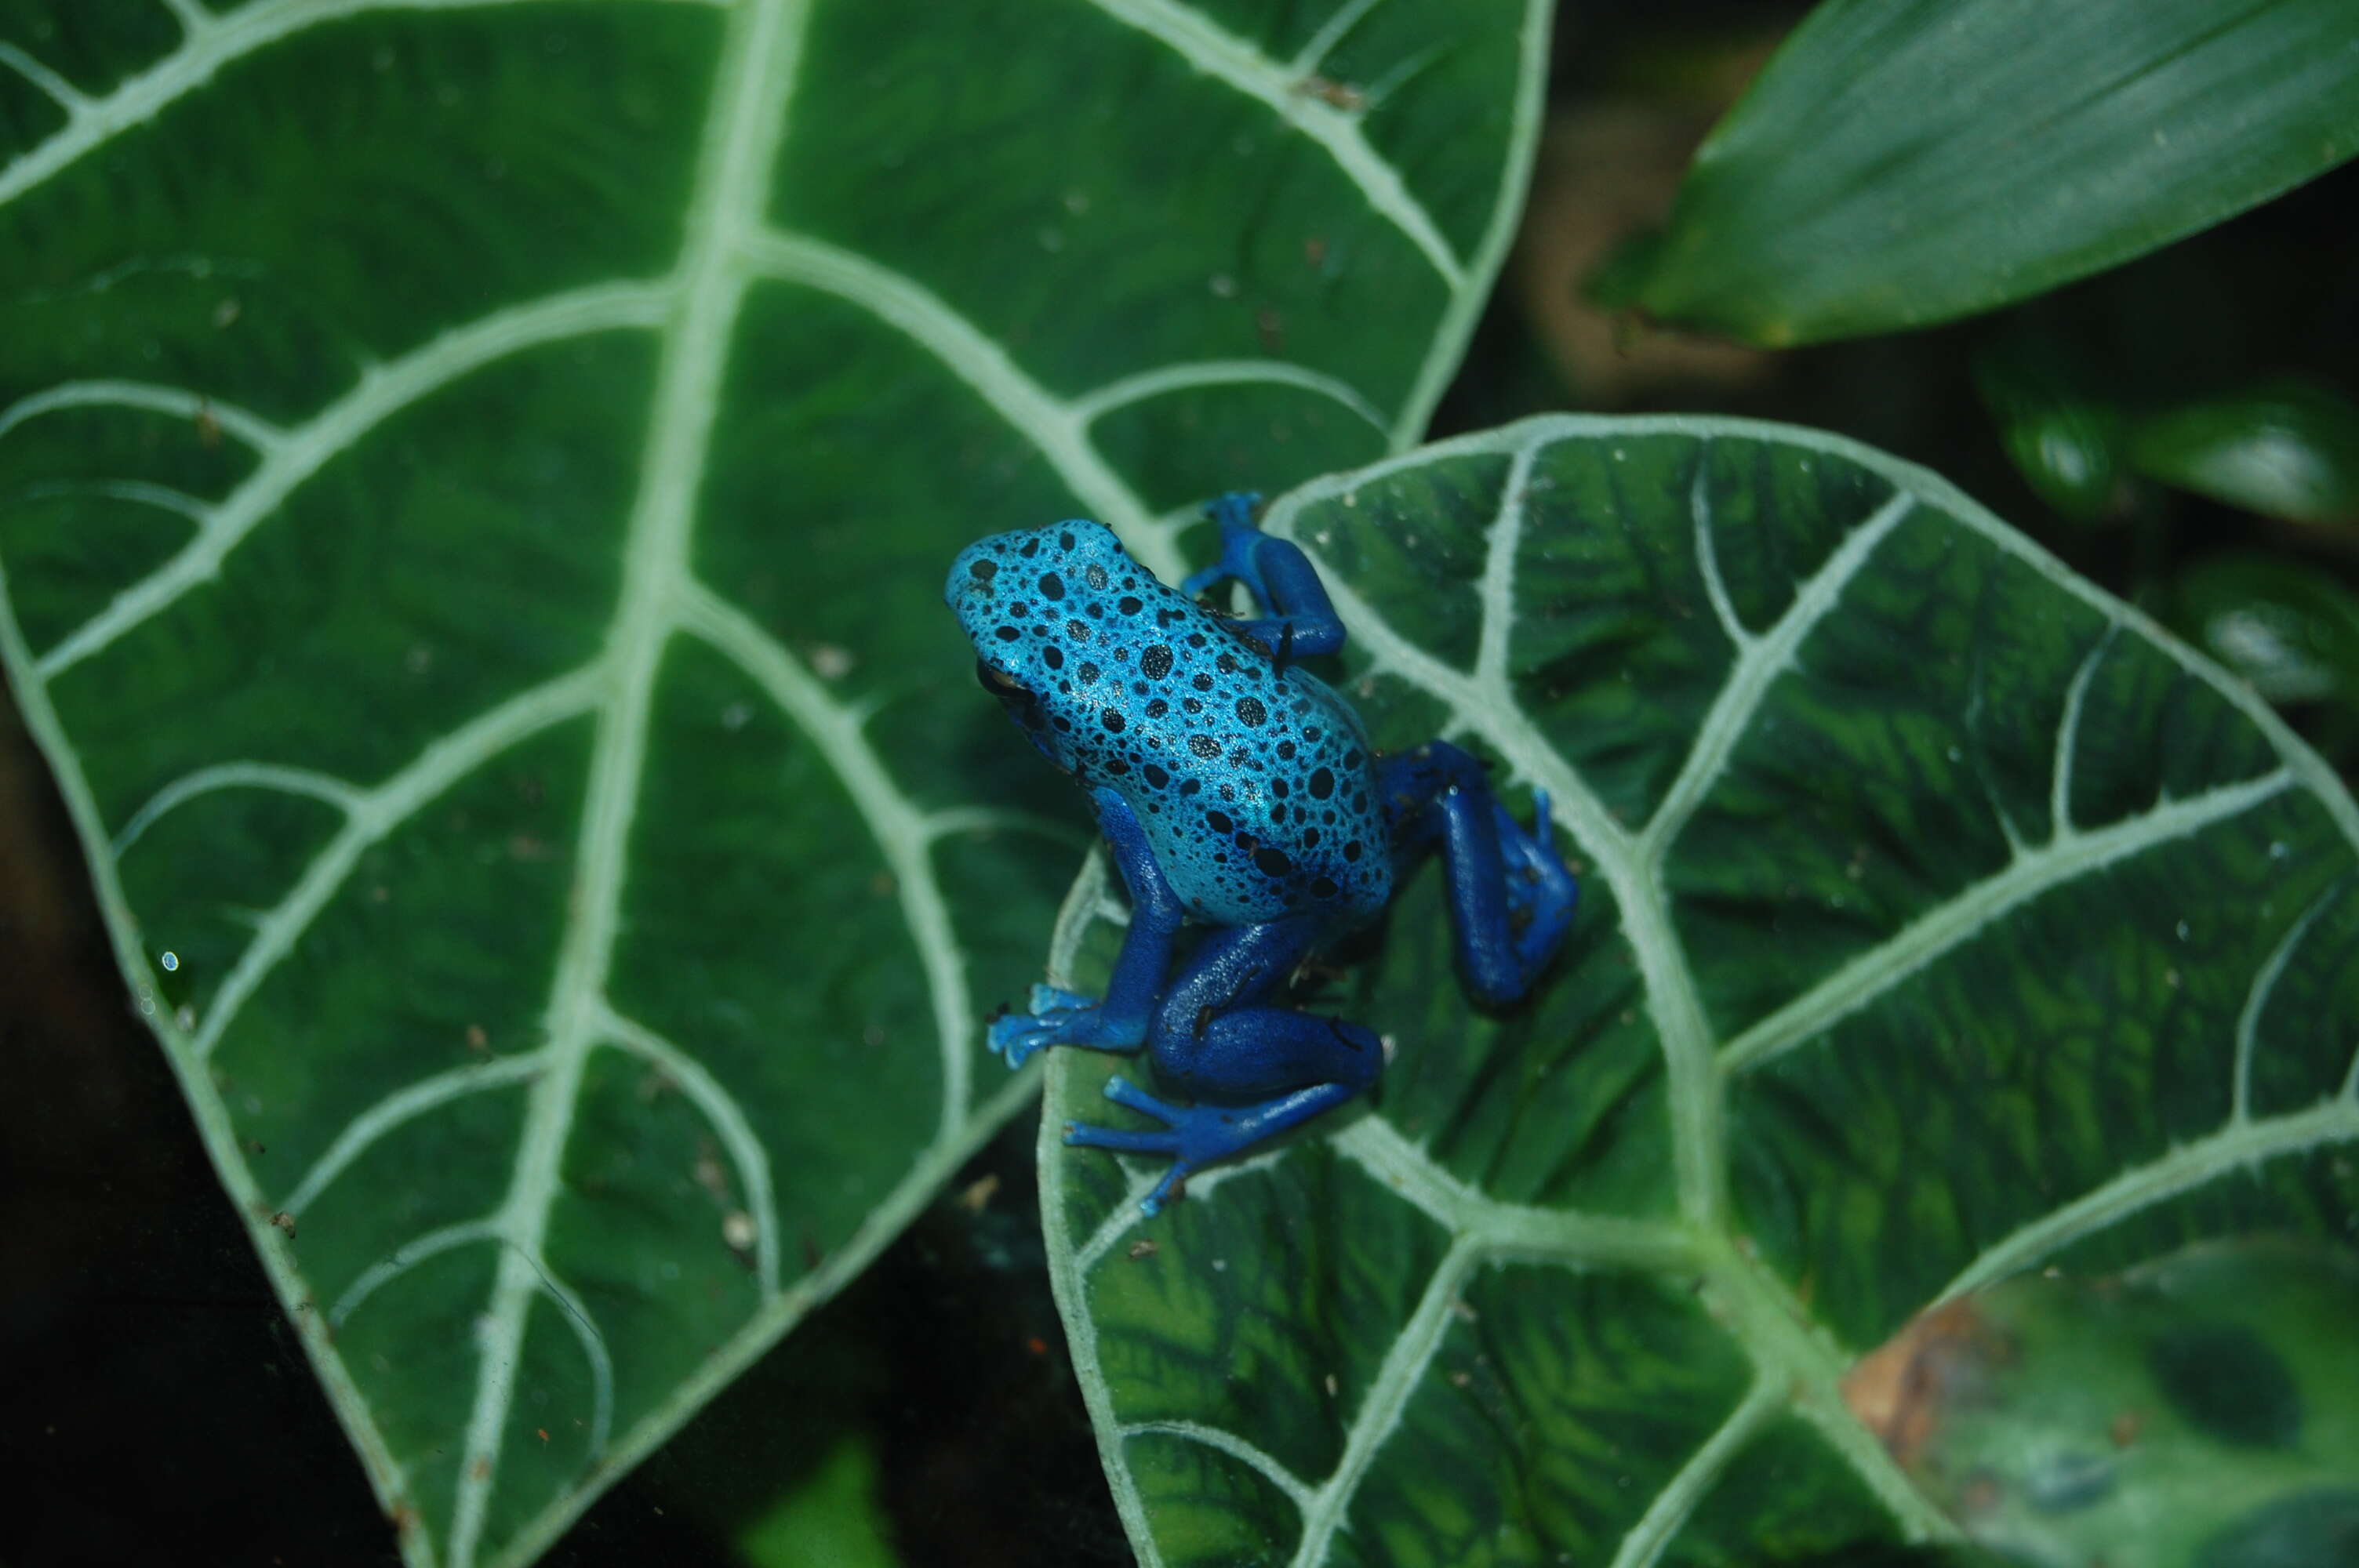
{"points": [[1233, 513], [1057, 1018], [1196, 1135], [1298, 620], [1542, 892]]}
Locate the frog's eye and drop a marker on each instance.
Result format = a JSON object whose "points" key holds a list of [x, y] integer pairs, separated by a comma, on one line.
{"points": [[998, 682]]}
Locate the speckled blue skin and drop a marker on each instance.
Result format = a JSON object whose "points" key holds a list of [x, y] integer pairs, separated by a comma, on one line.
{"points": [[1239, 791]]}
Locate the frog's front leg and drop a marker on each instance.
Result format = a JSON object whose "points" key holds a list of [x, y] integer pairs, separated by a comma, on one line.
{"points": [[1301, 622], [1253, 1072], [1511, 894], [1120, 1022]]}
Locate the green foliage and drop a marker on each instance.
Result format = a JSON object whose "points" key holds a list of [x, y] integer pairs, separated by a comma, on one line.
{"points": [[2287, 451], [1942, 918], [2290, 630], [1903, 162], [473, 484], [831, 1519]]}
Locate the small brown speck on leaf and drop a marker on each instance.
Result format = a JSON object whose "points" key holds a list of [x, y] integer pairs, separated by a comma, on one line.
{"points": [[1336, 95]]}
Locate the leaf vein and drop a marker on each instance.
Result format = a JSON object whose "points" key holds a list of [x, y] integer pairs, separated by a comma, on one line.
{"points": [[1643, 1546], [2248, 1020], [1230, 1443], [897, 827], [375, 814], [1230, 59], [404, 1104], [1057, 428], [1946, 926], [757, 70], [2068, 733], [1379, 1414], [250, 428], [1141, 385], [1759, 662], [729, 1122], [309, 782], [296, 455], [2240, 1145], [207, 43]]}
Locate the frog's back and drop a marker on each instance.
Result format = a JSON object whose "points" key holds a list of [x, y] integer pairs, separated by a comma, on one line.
{"points": [[1254, 783]]}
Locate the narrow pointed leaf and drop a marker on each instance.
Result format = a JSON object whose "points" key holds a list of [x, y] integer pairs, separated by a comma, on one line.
{"points": [[1903, 162], [1942, 918], [474, 478]]}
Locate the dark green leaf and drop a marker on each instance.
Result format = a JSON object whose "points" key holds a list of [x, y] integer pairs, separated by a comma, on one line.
{"points": [[2290, 450], [1942, 918], [2062, 436], [2289, 629], [475, 479], [1902, 162]]}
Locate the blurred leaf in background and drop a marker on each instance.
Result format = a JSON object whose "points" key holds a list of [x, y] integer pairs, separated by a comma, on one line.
{"points": [[2289, 629], [2199, 1411], [2288, 449]]}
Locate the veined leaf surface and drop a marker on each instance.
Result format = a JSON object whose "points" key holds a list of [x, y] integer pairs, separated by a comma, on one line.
{"points": [[475, 479], [1942, 918]]}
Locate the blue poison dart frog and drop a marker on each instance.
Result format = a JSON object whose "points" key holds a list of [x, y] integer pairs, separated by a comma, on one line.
{"points": [[1238, 791]]}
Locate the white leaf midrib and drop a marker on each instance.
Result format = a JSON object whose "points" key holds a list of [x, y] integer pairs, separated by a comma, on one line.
{"points": [[759, 64]]}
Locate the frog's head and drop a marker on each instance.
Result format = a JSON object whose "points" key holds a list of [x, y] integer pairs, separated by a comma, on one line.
{"points": [[1035, 602]]}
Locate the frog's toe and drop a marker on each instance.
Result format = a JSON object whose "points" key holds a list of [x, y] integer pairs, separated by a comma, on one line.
{"points": [[1155, 1141], [1048, 998], [1123, 1092], [1018, 1037], [1122, 1140], [1014, 1036]]}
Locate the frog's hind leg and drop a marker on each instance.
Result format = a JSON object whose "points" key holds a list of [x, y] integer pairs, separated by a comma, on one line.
{"points": [[1511, 894], [1253, 1071]]}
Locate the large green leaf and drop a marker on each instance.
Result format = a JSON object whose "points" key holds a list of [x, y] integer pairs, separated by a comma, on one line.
{"points": [[1942, 918], [474, 482], [1901, 162]]}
